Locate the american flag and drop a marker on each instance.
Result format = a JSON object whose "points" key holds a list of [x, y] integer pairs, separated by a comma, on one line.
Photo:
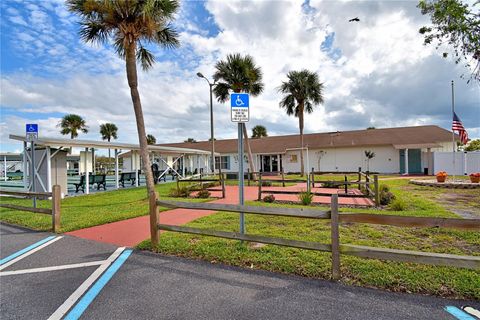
{"points": [[458, 126]]}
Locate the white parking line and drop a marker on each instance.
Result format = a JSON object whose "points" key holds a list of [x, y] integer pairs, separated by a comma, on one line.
{"points": [[26, 254], [63, 309], [54, 268]]}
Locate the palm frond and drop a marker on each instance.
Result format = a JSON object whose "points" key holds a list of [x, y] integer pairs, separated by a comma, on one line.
{"points": [[222, 91], [168, 37], [145, 57]]}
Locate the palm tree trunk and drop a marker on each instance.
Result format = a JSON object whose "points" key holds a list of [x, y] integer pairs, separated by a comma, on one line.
{"points": [[251, 164], [109, 159], [300, 120], [131, 65]]}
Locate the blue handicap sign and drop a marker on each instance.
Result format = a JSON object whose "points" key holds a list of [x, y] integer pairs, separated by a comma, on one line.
{"points": [[31, 128], [239, 100]]}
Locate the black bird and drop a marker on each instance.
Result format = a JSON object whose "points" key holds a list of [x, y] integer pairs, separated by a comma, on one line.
{"points": [[354, 20]]}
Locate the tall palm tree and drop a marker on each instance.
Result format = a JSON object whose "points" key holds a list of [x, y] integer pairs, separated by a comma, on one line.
{"points": [[238, 73], [131, 24], [72, 124], [151, 139], [108, 131], [259, 131], [302, 92], [369, 154]]}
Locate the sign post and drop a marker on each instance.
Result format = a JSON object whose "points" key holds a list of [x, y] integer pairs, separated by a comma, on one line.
{"points": [[31, 134], [240, 112]]}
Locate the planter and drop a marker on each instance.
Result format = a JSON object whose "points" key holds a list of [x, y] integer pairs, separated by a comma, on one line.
{"points": [[475, 179], [441, 178]]}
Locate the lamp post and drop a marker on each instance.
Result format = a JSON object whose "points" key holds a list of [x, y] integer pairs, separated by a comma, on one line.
{"points": [[211, 85]]}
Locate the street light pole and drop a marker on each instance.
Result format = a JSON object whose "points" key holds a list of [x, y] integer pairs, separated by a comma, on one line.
{"points": [[212, 137]]}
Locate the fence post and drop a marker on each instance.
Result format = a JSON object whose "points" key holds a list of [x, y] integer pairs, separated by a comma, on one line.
{"points": [[313, 178], [335, 235], [367, 184], [346, 185], [223, 186], [56, 197], [283, 178], [178, 183], [248, 177], [154, 219], [259, 186], [377, 194], [359, 177]]}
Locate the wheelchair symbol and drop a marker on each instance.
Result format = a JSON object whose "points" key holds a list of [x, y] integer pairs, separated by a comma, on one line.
{"points": [[239, 102], [31, 128]]}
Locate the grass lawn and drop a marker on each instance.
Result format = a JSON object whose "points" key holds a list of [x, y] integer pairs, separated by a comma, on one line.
{"points": [[87, 210], [395, 276]]}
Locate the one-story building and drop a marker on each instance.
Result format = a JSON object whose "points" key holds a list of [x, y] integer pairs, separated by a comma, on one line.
{"points": [[397, 150]]}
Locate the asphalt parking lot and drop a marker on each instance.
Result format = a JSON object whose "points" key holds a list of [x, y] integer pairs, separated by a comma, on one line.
{"points": [[66, 277]]}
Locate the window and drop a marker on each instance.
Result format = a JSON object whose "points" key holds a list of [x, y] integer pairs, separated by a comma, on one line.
{"points": [[293, 158], [222, 162]]}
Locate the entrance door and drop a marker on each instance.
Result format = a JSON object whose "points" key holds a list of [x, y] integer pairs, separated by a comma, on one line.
{"points": [[414, 161], [274, 160], [266, 164]]}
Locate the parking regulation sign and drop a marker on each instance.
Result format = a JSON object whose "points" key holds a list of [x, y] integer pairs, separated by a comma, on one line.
{"points": [[31, 131], [240, 108]]}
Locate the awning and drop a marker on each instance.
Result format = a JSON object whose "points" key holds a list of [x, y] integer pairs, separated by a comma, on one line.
{"points": [[72, 143]]}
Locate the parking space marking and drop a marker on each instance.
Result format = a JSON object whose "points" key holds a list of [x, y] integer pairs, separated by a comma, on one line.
{"points": [[19, 255], [91, 294], [54, 268], [458, 313], [70, 302]]}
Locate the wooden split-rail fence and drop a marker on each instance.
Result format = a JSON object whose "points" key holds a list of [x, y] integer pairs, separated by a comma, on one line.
{"points": [[55, 195], [335, 247]]}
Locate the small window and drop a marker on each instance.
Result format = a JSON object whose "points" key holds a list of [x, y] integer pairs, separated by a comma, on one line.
{"points": [[222, 162], [293, 158]]}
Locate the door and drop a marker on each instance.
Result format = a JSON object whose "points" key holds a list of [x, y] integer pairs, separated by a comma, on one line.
{"points": [[414, 161], [266, 164], [274, 161]]}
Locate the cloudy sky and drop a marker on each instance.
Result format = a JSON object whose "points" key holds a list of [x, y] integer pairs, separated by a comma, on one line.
{"points": [[376, 72]]}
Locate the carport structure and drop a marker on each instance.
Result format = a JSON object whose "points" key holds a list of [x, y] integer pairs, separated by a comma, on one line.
{"points": [[47, 148]]}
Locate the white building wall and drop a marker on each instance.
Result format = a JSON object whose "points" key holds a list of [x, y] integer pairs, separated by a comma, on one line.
{"points": [[386, 160]]}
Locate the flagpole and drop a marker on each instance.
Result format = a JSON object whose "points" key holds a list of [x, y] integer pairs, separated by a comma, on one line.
{"points": [[453, 132]]}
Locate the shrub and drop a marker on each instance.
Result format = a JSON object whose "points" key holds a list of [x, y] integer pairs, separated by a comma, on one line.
{"points": [[330, 184], [266, 183], [182, 192], [398, 205], [385, 195], [305, 197], [269, 198], [203, 194]]}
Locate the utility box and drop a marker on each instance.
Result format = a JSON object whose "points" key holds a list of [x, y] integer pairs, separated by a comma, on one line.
{"points": [[58, 170]]}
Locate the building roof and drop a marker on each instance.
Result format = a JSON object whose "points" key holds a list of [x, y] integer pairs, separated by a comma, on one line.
{"points": [[66, 143], [418, 137]]}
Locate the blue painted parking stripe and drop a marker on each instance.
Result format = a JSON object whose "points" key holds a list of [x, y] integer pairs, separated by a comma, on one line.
{"points": [[93, 292], [458, 313], [25, 250]]}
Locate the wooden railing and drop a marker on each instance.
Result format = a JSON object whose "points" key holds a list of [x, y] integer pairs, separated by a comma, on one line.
{"points": [[335, 247], [202, 181], [55, 195]]}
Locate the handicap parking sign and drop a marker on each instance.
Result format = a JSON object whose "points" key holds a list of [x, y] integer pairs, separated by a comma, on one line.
{"points": [[240, 107], [31, 131]]}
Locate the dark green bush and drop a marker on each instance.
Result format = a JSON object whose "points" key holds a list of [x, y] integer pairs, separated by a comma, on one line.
{"points": [[386, 197], [203, 194], [266, 183], [269, 198], [182, 192], [330, 184]]}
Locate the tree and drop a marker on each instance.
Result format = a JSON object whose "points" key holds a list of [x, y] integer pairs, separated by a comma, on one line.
{"points": [[370, 128], [302, 92], [454, 23], [473, 145], [151, 139], [191, 140], [259, 131], [130, 24], [238, 73], [72, 124], [108, 131], [369, 155]]}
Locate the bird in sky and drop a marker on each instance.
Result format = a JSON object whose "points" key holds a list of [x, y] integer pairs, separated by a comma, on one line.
{"points": [[354, 20]]}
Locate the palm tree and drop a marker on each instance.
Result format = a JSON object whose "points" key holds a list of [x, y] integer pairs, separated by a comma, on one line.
{"points": [[191, 140], [131, 24], [238, 74], [108, 131], [369, 155], [259, 131], [151, 139], [72, 124], [303, 91]]}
